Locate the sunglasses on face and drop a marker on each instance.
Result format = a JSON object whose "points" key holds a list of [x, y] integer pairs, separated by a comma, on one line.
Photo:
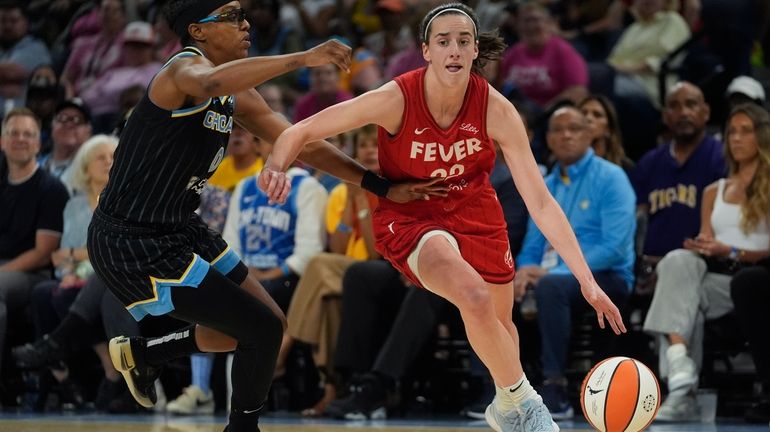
{"points": [[235, 16], [73, 119]]}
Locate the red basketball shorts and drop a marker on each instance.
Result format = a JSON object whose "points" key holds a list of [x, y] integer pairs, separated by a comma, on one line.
{"points": [[477, 225]]}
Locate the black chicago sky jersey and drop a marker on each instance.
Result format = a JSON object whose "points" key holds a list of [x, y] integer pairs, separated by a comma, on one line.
{"points": [[165, 158]]}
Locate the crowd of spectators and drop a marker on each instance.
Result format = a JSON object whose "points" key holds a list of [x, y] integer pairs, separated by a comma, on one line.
{"points": [[648, 119]]}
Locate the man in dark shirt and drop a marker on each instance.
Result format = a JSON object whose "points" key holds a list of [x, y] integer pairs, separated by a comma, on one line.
{"points": [[669, 179], [32, 203]]}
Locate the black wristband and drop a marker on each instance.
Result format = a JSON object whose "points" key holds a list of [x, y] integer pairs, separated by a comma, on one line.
{"points": [[375, 184]]}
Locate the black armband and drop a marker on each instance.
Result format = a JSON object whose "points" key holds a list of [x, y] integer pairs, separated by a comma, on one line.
{"points": [[375, 184]]}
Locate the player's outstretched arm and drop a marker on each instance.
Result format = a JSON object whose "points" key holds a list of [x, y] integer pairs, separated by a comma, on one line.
{"points": [[505, 127], [252, 113], [196, 76], [382, 106]]}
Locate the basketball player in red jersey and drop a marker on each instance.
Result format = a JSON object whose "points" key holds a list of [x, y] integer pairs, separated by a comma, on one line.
{"points": [[442, 122]]}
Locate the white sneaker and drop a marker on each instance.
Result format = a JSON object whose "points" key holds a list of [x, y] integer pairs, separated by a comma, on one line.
{"points": [[531, 416], [502, 422], [682, 373], [536, 418], [192, 401], [679, 408]]}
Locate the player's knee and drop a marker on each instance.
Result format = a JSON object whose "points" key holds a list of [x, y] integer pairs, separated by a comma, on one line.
{"points": [[262, 328], [475, 300]]}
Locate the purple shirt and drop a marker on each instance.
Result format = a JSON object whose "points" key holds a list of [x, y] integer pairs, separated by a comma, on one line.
{"points": [[404, 62], [541, 76], [673, 192], [103, 96], [309, 104], [91, 57]]}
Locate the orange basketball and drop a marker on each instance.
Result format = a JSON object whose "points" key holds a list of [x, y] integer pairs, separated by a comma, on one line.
{"points": [[620, 394]]}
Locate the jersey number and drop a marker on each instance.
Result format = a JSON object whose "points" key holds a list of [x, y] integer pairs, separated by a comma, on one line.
{"points": [[454, 171]]}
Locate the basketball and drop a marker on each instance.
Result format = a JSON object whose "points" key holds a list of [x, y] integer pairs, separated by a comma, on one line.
{"points": [[620, 394]]}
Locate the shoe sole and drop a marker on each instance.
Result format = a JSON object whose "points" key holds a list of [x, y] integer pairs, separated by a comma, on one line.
{"points": [[123, 361], [494, 425], [491, 419], [197, 411]]}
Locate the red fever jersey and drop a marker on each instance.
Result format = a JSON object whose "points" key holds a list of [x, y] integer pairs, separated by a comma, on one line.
{"points": [[464, 156]]}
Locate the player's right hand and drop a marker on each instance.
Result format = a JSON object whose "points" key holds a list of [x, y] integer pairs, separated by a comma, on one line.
{"points": [[275, 184], [604, 307], [331, 51], [417, 190]]}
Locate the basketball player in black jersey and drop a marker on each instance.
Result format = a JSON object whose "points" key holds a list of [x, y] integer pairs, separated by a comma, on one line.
{"points": [[146, 242]]}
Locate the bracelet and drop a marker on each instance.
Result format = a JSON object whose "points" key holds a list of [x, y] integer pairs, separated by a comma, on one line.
{"points": [[344, 228], [375, 184]]}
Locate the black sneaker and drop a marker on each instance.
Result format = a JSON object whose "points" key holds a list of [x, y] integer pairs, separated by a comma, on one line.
{"points": [[43, 352], [555, 398], [106, 392], [70, 395], [366, 401], [759, 412], [139, 376]]}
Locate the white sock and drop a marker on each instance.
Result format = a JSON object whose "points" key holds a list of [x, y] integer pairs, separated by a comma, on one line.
{"points": [[507, 398], [676, 351]]}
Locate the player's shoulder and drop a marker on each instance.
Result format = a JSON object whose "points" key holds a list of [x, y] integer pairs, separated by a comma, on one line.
{"points": [[499, 108]]}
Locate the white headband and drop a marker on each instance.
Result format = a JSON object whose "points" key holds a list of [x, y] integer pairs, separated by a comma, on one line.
{"points": [[427, 27]]}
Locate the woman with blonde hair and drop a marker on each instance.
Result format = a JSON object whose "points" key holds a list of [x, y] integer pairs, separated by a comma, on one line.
{"points": [[694, 282]]}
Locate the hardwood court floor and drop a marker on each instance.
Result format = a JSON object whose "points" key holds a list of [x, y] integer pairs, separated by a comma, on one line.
{"points": [[12, 422]]}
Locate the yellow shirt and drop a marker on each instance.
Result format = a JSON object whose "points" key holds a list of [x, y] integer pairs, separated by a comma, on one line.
{"points": [[649, 43], [227, 177], [335, 206]]}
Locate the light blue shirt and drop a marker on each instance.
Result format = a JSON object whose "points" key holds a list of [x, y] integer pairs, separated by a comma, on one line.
{"points": [[28, 53], [599, 203], [77, 216]]}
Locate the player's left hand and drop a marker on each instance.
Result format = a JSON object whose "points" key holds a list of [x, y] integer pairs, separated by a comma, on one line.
{"points": [[275, 184], [331, 51], [417, 190], [604, 307]]}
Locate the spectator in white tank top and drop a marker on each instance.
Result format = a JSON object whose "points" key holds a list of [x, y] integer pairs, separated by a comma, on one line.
{"points": [[694, 282]]}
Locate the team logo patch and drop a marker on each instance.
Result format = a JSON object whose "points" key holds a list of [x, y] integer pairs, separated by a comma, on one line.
{"points": [[508, 258], [217, 159]]}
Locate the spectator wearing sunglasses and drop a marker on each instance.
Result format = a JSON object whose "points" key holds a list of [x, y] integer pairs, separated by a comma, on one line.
{"points": [[70, 128]]}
